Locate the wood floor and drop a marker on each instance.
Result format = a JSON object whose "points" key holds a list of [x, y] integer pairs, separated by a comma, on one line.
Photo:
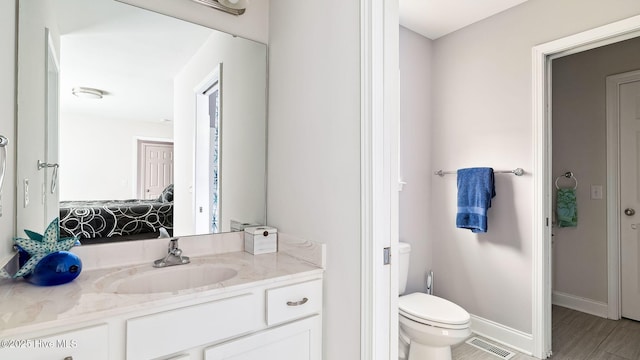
{"points": [[578, 336]]}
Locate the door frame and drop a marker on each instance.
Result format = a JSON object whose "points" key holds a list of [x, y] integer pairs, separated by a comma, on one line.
{"points": [[51, 193], [541, 114], [380, 112], [614, 308], [201, 176]]}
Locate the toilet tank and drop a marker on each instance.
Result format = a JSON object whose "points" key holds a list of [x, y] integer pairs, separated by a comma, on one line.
{"points": [[404, 250]]}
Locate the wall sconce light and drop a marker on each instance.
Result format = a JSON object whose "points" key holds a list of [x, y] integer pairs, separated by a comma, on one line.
{"points": [[87, 93], [233, 7]]}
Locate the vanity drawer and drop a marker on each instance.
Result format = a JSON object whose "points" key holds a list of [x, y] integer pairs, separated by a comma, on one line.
{"points": [[294, 301], [176, 330], [90, 343]]}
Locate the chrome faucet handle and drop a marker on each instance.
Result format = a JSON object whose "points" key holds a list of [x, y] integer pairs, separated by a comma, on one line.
{"points": [[174, 249], [173, 244], [174, 256]]}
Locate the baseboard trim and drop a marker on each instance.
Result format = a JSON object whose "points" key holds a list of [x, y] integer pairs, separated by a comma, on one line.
{"points": [[512, 338], [585, 305]]}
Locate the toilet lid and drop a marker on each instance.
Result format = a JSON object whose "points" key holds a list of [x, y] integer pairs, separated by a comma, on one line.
{"points": [[433, 308]]}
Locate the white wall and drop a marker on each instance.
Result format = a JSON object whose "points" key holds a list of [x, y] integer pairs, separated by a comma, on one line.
{"points": [[314, 149], [243, 130], [99, 156], [7, 123], [579, 145], [415, 153], [482, 117]]}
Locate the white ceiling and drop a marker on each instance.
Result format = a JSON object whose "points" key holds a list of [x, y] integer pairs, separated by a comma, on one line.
{"points": [[131, 54], [436, 18]]}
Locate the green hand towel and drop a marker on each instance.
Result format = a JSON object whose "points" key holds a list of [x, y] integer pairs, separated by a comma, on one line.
{"points": [[566, 208]]}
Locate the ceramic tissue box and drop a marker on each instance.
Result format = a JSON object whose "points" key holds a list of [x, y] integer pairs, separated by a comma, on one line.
{"points": [[260, 240]]}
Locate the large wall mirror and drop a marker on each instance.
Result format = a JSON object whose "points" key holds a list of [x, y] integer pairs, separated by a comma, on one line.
{"points": [[130, 121]]}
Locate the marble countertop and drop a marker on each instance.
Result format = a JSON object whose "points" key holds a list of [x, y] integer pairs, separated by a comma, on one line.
{"points": [[95, 295]]}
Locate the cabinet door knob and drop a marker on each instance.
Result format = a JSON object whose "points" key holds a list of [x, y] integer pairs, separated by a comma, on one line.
{"points": [[297, 303], [629, 212]]}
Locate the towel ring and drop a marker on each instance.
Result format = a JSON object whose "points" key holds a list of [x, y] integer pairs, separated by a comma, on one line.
{"points": [[568, 175]]}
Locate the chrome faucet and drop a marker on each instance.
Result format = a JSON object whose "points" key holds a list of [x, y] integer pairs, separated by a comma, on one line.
{"points": [[174, 256]]}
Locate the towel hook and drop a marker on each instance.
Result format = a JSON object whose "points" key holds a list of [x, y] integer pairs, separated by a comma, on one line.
{"points": [[568, 175]]}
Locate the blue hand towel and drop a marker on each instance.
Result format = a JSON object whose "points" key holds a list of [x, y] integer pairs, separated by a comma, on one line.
{"points": [[476, 188]]}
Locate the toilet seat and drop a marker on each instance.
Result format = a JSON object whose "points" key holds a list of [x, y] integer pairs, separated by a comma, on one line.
{"points": [[434, 311]]}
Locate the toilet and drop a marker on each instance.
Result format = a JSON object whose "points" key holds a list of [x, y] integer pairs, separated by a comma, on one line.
{"points": [[429, 324]]}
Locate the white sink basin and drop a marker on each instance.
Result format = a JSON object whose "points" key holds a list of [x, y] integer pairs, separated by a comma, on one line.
{"points": [[173, 278]]}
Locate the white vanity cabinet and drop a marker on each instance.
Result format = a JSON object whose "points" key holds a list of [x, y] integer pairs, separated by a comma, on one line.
{"points": [[297, 307], [299, 340], [294, 301], [271, 309], [280, 322], [91, 343], [156, 335]]}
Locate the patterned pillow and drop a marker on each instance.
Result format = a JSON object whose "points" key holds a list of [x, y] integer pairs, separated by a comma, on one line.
{"points": [[167, 194]]}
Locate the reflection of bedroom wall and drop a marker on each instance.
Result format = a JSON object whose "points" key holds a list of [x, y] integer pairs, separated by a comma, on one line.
{"points": [[242, 179], [97, 156], [579, 145]]}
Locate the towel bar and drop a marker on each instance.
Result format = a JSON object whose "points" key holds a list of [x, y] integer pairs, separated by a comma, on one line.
{"points": [[516, 172]]}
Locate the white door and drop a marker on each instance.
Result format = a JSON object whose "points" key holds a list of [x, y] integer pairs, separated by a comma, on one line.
{"points": [[155, 168], [629, 110]]}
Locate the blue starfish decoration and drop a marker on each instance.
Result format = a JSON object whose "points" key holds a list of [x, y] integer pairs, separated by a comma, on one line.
{"points": [[38, 246]]}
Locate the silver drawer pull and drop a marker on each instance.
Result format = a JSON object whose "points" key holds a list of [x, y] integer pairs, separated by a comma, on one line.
{"points": [[68, 358], [297, 303]]}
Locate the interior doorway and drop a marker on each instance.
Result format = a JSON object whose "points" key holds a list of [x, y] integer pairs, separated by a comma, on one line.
{"points": [[543, 56], [208, 148], [582, 109]]}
